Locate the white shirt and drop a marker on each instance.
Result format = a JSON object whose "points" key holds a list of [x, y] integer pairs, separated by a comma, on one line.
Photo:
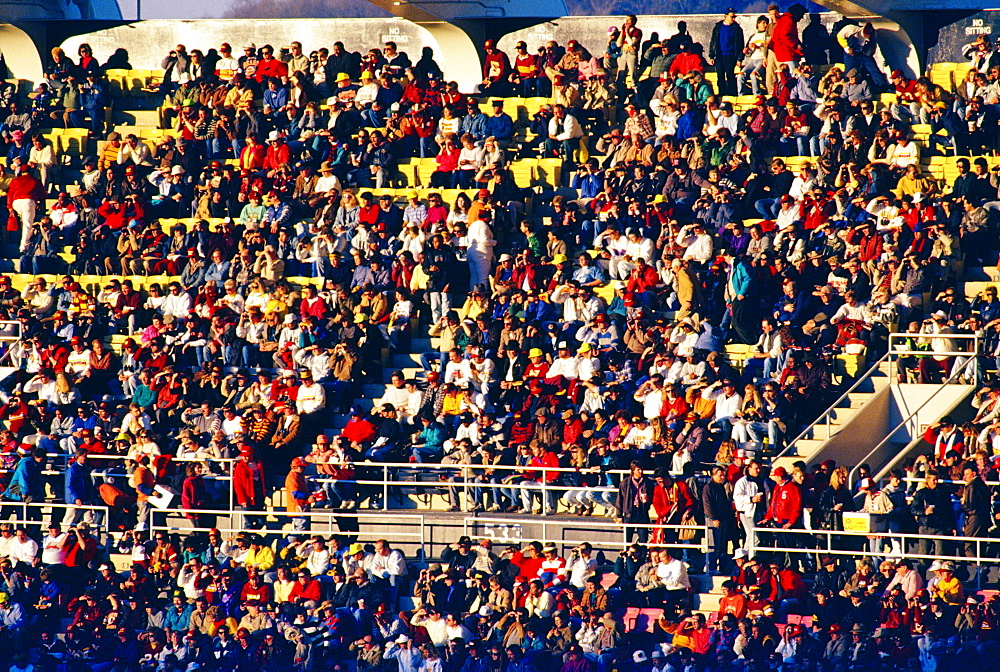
{"points": [[567, 367], [5, 546], [384, 566], [25, 551], [652, 403], [673, 575], [640, 248], [177, 306], [580, 570], [311, 398], [743, 493], [317, 562], [725, 407], [698, 247], [52, 551]]}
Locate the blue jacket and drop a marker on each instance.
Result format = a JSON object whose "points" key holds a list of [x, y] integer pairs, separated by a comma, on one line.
{"points": [[500, 127], [174, 621], [741, 279], [28, 477], [77, 483], [475, 126], [432, 436]]}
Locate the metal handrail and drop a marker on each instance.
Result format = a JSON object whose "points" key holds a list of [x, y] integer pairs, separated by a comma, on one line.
{"points": [[833, 407], [889, 356], [903, 422], [8, 352]]}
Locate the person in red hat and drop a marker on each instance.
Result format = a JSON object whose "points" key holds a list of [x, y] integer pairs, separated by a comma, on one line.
{"points": [[298, 494], [248, 483], [785, 511]]}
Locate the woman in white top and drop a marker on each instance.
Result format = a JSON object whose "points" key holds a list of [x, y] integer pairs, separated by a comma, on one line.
{"points": [[459, 213], [399, 318], [470, 160]]}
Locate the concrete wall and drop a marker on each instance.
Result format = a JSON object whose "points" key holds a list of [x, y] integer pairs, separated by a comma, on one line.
{"points": [[865, 429], [149, 41], [954, 400], [592, 33], [19, 52]]}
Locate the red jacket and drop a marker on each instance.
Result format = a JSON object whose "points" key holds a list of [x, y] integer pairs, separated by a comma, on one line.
{"points": [[786, 503], [243, 482], [117, 217], [24, 186], [308, 592], [664, 502], [276, 156], [785, 39]]}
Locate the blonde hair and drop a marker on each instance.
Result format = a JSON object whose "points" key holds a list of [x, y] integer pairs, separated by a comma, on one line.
{"points": [[726, 452], [838, 479]]}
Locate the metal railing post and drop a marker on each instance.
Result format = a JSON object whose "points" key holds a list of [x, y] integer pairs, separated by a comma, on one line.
{"points": [[385, 487], [545, 499]]}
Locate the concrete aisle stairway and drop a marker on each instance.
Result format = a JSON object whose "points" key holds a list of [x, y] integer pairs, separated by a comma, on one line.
{"points": [[830, 424]]}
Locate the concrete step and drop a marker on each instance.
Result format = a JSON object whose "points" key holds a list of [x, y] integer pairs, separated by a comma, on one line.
{"points": [[806, 448], [703, 583], [373, 390], [708, 601], [402, 360], [144, 118], [982, 273], [856, 400]]}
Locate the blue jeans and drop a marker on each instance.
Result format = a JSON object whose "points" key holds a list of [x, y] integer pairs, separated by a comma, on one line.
{"points": [[420, 452], [427, 361], [767, 208], [752, 70], [865, 63]]}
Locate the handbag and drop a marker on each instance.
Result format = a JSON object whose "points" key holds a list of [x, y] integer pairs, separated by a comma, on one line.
{"points": [[688, 530], [12, 222]]}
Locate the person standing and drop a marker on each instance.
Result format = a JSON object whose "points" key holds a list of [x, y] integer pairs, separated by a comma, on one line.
{"points": [[785, 44], [931, 506], [976, 502], [719, 519], [480, 249], [785, 512], [724, 51], [748, 498], [79, 489], [635, 493], [630, 41], [24, 194]]}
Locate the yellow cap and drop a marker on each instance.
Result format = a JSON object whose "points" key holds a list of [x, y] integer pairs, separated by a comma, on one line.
{"points": [[412, 193], [535, 352], [559, 259], [343, 77], [585, 348]]}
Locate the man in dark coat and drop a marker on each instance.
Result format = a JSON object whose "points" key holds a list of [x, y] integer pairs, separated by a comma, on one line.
{"points": [[635, 494]]}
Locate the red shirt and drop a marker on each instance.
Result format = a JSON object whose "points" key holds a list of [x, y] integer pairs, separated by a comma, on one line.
{"points": [[271, 68]]}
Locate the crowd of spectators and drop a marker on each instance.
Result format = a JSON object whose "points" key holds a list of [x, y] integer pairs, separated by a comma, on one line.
{"points": [[577, 362]]}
